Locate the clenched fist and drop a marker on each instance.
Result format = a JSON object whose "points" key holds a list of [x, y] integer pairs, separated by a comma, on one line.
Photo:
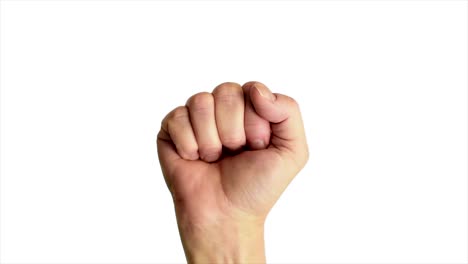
{"points": [[226, 157]]}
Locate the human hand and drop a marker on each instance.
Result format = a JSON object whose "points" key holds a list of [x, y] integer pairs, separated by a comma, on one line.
{"points": [[227, 156]]}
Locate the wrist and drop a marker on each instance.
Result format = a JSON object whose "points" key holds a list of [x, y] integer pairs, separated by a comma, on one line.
{"points": [[223, 241]]}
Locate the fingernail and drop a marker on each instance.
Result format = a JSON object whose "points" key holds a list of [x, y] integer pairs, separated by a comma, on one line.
{"points": [[210, 157], [194, 156], [258, 144], [264, 91]]}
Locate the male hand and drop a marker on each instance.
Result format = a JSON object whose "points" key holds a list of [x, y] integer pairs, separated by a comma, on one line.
{"points": [[226, 157]]}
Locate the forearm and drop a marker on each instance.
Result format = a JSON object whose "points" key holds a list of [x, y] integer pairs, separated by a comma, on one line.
{"points": [[223, 242]]}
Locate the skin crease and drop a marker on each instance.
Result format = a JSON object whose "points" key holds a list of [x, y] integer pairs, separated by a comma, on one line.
{"points": [[223, 181]]}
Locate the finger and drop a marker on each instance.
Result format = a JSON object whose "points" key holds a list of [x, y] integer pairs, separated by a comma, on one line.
{"points": [[202, 118], [257, 129], [167, 153], [229, 113], [168, 157], [284, 115], [177, 126]]}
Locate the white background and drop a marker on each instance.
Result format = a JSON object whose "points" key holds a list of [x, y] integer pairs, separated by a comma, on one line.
{"points": [[382, 86]]}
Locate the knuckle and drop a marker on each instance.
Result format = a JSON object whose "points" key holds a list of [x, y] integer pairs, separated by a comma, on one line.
{"points": [[189, 152], [209, 152], [210, 149], [233, 142], [201, 102], [288, 100], [249, 83], [179, 113], [228, 93], [305, 153], [227, 87], [257, 129], [291, 101]]}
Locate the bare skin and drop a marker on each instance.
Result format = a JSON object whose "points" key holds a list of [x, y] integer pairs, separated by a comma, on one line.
{"points": [[227, 156]]}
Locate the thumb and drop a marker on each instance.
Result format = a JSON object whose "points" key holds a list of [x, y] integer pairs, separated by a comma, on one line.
{"points": [[284, 116]]}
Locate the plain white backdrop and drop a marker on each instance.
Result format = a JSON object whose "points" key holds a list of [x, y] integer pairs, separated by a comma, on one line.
{"points": [[382, 86]]}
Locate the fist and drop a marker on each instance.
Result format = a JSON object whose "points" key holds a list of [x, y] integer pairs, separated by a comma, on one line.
{"points": [[228, 155]]}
